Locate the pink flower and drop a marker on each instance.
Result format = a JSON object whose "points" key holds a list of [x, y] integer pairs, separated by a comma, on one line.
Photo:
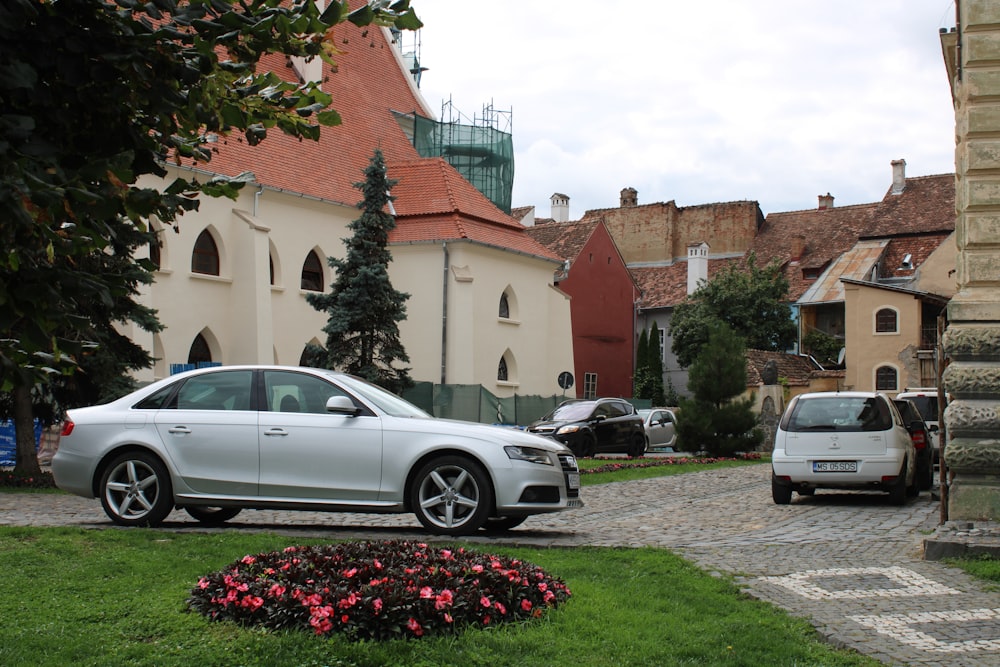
{"points": [[526, 604], [542, 586], [477, 568], [485, 601], [446, 554], [248, 560], [448, 618], [377, 604], [443, 600], [203, 583], [312, 600], [348, 602], [426, 592], [500, 608], [322, 624], [350, 573], [549, 597], [252, 602], [414, 627], [377, 563], [276, 590]]}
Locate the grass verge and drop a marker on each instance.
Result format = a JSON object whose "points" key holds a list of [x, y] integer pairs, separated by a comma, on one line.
{"points": [[117, 597]]}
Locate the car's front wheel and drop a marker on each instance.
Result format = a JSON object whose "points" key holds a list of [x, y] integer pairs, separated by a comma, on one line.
{"points": [[451, 495], [638, 446], [135, 490], [212, 516]]}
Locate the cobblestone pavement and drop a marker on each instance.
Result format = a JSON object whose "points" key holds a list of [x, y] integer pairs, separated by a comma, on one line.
{"points": [[849, 562]]}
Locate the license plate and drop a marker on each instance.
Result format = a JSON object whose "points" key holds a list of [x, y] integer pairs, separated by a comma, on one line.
{"points": [[835, 466], [573, 480]]}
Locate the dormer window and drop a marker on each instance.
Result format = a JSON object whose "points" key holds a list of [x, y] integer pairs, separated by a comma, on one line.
{"points": [[810, 274]]}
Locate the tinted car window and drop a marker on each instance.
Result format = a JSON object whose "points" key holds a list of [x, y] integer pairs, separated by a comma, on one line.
{"points": [[838, 413], [572, 411], [927, 405], [615, 410], [228, 390], [296, 392], [157, 400]]}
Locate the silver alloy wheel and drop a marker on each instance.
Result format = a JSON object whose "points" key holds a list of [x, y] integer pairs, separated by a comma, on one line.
{"points": [[136, 490], [452, 496]]}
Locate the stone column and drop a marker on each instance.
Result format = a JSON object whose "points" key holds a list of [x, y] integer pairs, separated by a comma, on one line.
{"points": [[972, 339]]}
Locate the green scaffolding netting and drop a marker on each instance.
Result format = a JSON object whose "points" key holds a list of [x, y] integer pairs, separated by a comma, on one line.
{"points": [[483, 155], [473, 402]]}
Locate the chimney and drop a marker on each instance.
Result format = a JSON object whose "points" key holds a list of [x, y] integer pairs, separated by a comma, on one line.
{"points": [[560, 207], [798, 248], [898, 176], [697, 265], [629, 197], [825, 201]]}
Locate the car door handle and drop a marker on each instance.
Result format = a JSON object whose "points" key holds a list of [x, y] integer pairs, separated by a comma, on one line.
{"points": [[275, 431], [179, 430]]}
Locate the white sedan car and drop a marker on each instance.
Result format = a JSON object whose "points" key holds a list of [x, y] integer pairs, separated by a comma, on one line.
{"points": [[218, 440], [842, 440]]}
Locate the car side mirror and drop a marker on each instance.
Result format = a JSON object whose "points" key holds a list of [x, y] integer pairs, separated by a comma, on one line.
{"points": [[341, 405]]}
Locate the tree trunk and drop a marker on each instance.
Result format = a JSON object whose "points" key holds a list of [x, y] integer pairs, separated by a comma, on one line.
{"points": [[26, 456]]}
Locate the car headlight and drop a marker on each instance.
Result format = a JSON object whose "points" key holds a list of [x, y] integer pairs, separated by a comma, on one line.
{"points": [[529, 454], [571, 428]]}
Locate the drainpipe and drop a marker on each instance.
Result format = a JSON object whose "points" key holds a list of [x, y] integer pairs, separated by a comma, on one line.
{"points": [[256, 199], [444, 315]]}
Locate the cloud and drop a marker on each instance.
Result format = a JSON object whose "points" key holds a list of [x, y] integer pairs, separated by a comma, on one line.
{"points": [[776, 101]]}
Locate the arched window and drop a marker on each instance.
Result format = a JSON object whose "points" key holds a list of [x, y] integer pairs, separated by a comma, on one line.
{"points": [[886, 321], [270, 266], [312, 273], [886, 379], [502, 370], [199, 352], [205, 258], [504, 306]]}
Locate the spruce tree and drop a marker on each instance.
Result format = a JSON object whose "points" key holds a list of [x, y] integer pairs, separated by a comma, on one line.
{"points": [[716, 420], [363, 307]]}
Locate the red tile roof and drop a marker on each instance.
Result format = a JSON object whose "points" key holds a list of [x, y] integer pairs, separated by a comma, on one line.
{"points": [[666, 286], [794, 368], [433, 202], [565, 239]]}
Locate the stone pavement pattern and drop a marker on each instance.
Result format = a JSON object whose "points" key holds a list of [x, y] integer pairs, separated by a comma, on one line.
{"points": [[849, 562]]}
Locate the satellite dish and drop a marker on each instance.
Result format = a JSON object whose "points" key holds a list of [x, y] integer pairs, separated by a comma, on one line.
{"points": [[840, 357]]}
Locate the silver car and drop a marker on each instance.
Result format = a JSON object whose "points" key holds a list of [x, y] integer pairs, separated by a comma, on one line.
{"points": [[218, 440], [661, 427], [842, 440]]}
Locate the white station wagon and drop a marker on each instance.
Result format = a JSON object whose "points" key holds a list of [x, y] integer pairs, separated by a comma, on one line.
{"points": [[842, 440], [219, 440]]}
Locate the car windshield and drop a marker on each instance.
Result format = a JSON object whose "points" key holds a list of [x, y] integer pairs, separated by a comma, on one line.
{"points": [[386, 401], [571, 411], [838, 413]]}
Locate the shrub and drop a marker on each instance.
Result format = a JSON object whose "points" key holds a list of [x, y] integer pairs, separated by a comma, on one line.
{"points": [[377, 590], [42, 480]]}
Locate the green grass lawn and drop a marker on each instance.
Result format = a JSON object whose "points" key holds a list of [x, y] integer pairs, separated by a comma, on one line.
{"points": [[117, 597]]}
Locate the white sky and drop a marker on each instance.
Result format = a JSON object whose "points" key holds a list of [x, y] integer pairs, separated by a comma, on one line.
{"points": [[698, 102]]}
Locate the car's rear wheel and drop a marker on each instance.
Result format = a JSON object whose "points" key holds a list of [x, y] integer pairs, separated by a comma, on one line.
{"points": [[638, 446], [451, 495], [135, 490], [925, 475], [780, 493], [897, 491], [503, 523], [212, 516]]}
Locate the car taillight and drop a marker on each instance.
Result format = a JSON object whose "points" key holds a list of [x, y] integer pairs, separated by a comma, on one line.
{"points": [[919, 439], [67, 428]]}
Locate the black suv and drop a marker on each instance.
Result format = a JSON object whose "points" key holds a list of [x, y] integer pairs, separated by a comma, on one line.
{"points": [[591, 426]]}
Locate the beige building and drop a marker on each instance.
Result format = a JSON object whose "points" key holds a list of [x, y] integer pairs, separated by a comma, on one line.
{"points": [[233, 277]]}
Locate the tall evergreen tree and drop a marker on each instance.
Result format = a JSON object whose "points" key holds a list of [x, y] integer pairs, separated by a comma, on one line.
{"points": [[716, 420], [640, 377], [654, 363], [363, 307]]}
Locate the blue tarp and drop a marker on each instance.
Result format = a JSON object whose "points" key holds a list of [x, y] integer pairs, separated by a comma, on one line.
{"points": [[8, 441]]}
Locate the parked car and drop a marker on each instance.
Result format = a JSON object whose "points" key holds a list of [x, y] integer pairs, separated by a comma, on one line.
{"points": [[842, 440], [218, 440], [926, 401], [660, 425], [920, 435], [589, 427]]}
